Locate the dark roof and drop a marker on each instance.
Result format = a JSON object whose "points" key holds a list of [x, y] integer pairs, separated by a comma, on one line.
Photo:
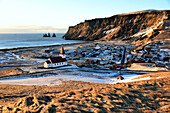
{"points": [[57, 59], [48, 62]]}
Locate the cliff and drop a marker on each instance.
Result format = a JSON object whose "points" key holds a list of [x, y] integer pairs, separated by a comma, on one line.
{"points": [[129, 27]]}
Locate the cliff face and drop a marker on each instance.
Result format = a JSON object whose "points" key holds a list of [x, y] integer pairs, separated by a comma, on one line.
{"points": [[132, 26]]}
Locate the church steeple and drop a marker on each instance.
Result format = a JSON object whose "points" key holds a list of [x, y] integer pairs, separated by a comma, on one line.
{"points": [[62, 52]]}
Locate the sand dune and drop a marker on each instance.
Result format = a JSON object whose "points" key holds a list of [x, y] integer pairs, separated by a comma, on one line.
{"points": [[71, 96]]}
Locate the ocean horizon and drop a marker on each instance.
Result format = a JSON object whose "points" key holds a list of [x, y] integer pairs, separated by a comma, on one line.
{"points": [[9, 41]]}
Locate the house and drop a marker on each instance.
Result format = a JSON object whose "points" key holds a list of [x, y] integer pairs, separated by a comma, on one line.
{"points": [[56, 61]]}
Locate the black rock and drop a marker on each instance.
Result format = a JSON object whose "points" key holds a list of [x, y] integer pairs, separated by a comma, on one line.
{"points": [[45, 35], [53, 35], [49, 35]]}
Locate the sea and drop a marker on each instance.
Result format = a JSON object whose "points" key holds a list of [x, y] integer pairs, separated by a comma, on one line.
{"points": [[8, 41]]}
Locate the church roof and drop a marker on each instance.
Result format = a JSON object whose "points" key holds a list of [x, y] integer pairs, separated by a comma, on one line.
{"points": [[48, 62], [56, 60]]}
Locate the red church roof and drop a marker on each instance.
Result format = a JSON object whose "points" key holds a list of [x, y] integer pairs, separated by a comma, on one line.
{"points": [[56, 60]]}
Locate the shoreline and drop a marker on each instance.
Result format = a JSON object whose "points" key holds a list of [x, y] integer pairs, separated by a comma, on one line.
{"points": [[32, 47]]}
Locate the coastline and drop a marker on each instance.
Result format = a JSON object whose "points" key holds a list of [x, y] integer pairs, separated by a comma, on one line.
{"points": [[125, 69], [33, 47]]}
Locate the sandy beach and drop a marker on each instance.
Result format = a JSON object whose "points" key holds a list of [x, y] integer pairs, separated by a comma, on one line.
{"points": [[75, 96]]}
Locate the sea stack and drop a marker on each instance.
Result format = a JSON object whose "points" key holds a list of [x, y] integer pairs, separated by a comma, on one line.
{"points": [[47, 35], [54, 35]]}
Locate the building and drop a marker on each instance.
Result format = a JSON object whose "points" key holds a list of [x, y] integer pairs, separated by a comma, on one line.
{"points": [[56, 61], [62, 52]]}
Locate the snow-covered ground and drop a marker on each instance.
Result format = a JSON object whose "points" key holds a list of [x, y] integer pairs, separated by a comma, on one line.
{"points": [[57, 79], [71, 73], [11, 60], [4, 57]]}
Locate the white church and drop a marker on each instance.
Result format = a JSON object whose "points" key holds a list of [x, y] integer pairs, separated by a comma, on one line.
{"points": [[56, 61]]}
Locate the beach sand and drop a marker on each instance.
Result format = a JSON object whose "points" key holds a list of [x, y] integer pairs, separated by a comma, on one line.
{"points": [[75, 96]]}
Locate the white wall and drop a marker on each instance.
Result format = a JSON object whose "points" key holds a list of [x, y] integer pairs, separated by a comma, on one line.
{"points": [[45, 65], [57, 64]]}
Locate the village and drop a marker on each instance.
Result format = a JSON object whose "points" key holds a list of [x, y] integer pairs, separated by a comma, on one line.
{"points": [[110, 56], [100, 57]]}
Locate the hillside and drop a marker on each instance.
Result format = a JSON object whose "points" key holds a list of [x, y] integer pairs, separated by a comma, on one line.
{"points": [[133, 27]]}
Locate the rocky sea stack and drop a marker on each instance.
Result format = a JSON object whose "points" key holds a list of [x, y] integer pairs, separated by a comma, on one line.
{"points": [[128, 27]]}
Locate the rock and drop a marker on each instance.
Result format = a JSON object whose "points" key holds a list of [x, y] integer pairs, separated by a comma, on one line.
{"points": [[53, 35], [119, 27], [48, 35], [45, 35]]}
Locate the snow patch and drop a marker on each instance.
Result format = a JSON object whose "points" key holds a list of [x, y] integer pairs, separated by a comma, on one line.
{"points": [[149, 30], [129, 79], [113, 30], [144, 32]]}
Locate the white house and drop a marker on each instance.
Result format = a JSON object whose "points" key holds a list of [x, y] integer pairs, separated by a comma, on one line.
{"points": [[56, 61]]}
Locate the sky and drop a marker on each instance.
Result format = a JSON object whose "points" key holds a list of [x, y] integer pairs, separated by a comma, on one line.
{"points": [[42, 16]]}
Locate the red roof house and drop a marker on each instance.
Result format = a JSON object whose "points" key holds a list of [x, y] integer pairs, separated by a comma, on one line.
{"points": [[56, 61]]}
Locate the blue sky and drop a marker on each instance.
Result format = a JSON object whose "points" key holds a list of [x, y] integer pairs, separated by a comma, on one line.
{"points": [[39, 16]]}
